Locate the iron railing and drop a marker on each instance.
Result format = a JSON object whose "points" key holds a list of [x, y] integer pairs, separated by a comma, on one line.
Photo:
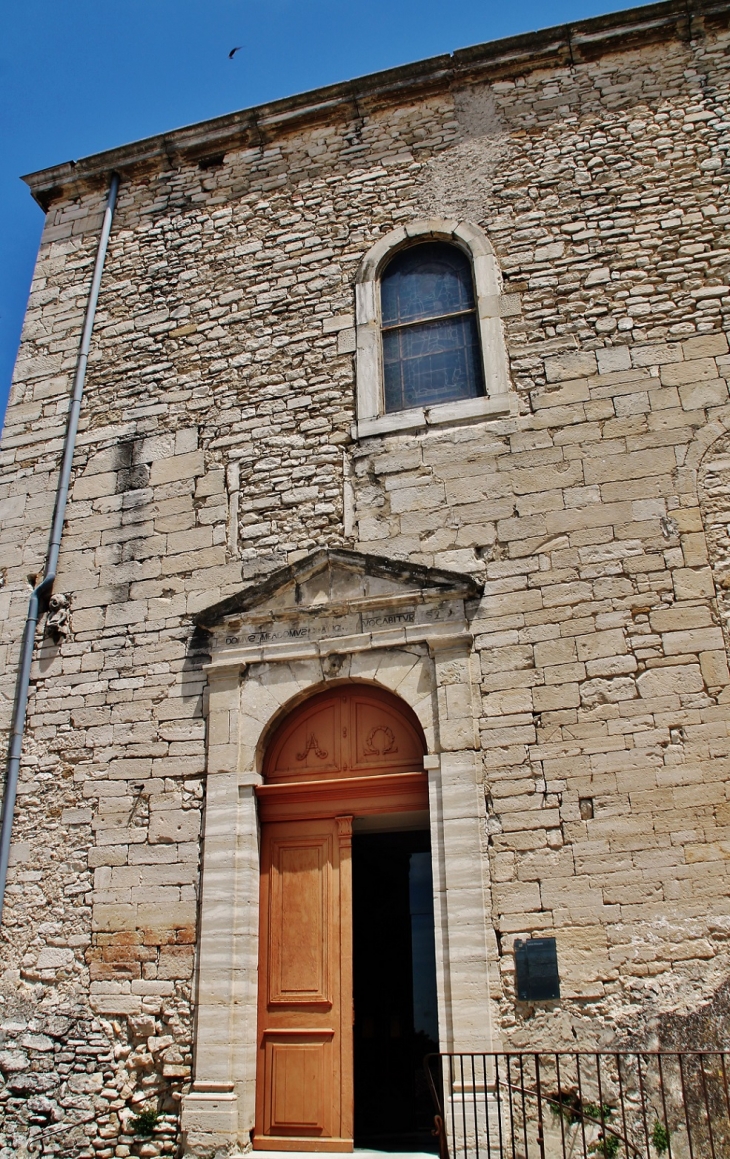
{"points": [[581, 1105]]}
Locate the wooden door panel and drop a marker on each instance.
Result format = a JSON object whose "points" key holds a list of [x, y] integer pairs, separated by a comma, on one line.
{"points": [[299, 904], [305, 991], [298, 1070], [312, 748], [351, 730], [382, 740]]}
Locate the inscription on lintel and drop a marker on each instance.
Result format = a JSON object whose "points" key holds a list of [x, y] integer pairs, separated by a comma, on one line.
{"points": [[312, 627]]}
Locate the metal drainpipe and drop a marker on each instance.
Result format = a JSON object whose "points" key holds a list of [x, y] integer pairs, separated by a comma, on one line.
{"points": [[41, 594]]}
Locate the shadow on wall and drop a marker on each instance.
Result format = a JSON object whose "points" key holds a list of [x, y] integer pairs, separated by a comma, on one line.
{"points": [[197, 654], [714, 490], [706, 1027]]}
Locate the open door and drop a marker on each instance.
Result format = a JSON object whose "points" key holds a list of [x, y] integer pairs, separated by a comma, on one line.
{"points": [[304, 1089], [353, 750]]}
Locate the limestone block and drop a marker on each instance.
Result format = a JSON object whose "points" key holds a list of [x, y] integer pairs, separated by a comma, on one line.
{"points": [[613, 358], [562, 594], [714, 668], [557, 477], [669, 680], [695, 640], [705, 346], [518, 897], [607, 691], [611, 666], [108, 855], [695, 371], [551, 698], [565, 395], [173, 915], [209, 557], [210, 484], [656, 354], [457, 735], [114, 917], [567, 366], [177, 467], [54, 958], [555, 651], [680, 616], [95, 486], [335, 324], [186, 440], [599, 644], [346, 341], [421, 498], [189, 540], [175, 962], [76, 816], [43, 366], [219, 728], [695, 396], [506, 659], [87, 621], [172, 825], [693, 583], [526, 828], [639, 464], [370, 529], [20, 852]]}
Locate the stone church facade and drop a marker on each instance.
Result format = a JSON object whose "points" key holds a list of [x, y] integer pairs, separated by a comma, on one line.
{"points": [[538, 568]]}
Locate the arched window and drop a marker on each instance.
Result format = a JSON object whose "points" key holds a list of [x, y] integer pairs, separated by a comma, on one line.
{"points": [[428, 330], [431, 350]]}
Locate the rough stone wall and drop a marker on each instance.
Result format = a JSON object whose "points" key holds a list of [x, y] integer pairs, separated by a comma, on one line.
{"points": [[214, 432]]}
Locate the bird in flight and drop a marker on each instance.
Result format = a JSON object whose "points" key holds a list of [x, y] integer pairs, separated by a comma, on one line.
{"points": [[233, 51]]}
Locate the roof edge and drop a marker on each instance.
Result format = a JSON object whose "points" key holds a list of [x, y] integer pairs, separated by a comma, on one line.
{"points": [[566, 44]]}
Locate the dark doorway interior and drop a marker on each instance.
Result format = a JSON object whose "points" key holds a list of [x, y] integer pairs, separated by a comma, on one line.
{"points": [[394, 989]]}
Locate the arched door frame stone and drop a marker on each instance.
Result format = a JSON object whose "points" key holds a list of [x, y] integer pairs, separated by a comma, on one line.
{"points": [[247, 695]]}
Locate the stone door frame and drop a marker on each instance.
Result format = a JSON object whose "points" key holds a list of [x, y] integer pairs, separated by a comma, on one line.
{"points": [[249, 690]]}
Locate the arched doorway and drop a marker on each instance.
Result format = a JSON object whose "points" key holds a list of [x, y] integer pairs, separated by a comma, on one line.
{"points": [[346, 992]]}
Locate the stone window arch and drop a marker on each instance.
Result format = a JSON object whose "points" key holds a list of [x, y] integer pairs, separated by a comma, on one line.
{"points": [[489, 392]]}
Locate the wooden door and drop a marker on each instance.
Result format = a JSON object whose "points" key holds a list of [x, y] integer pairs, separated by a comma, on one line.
{"points": [[304, 1080], [351, 749]]}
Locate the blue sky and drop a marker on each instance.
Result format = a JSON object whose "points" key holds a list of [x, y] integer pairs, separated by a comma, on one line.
{"points": [[77, 77]]}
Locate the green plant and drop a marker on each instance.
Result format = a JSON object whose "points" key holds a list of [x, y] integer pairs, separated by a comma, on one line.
{"points": [[660, 1138], [607, 1146], [574, 1111], [600, 1114], [569, 1105], [144, 1123]]}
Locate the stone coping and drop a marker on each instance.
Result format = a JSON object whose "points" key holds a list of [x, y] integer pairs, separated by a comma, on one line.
{"points": [[559, 46]]}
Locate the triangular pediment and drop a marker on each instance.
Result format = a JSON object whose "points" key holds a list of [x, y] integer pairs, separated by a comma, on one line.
{"points": [[335, 578]]}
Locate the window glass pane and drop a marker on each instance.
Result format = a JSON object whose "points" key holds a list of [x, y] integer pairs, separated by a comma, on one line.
{"points": [[431, 363], [426, 281]]}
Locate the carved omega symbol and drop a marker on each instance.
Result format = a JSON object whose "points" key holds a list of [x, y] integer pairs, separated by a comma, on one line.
{"points": [[312, 743], [389, 747]]}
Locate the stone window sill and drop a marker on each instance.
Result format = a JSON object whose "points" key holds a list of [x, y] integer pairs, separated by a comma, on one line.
{"points": [[468, 410]]}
